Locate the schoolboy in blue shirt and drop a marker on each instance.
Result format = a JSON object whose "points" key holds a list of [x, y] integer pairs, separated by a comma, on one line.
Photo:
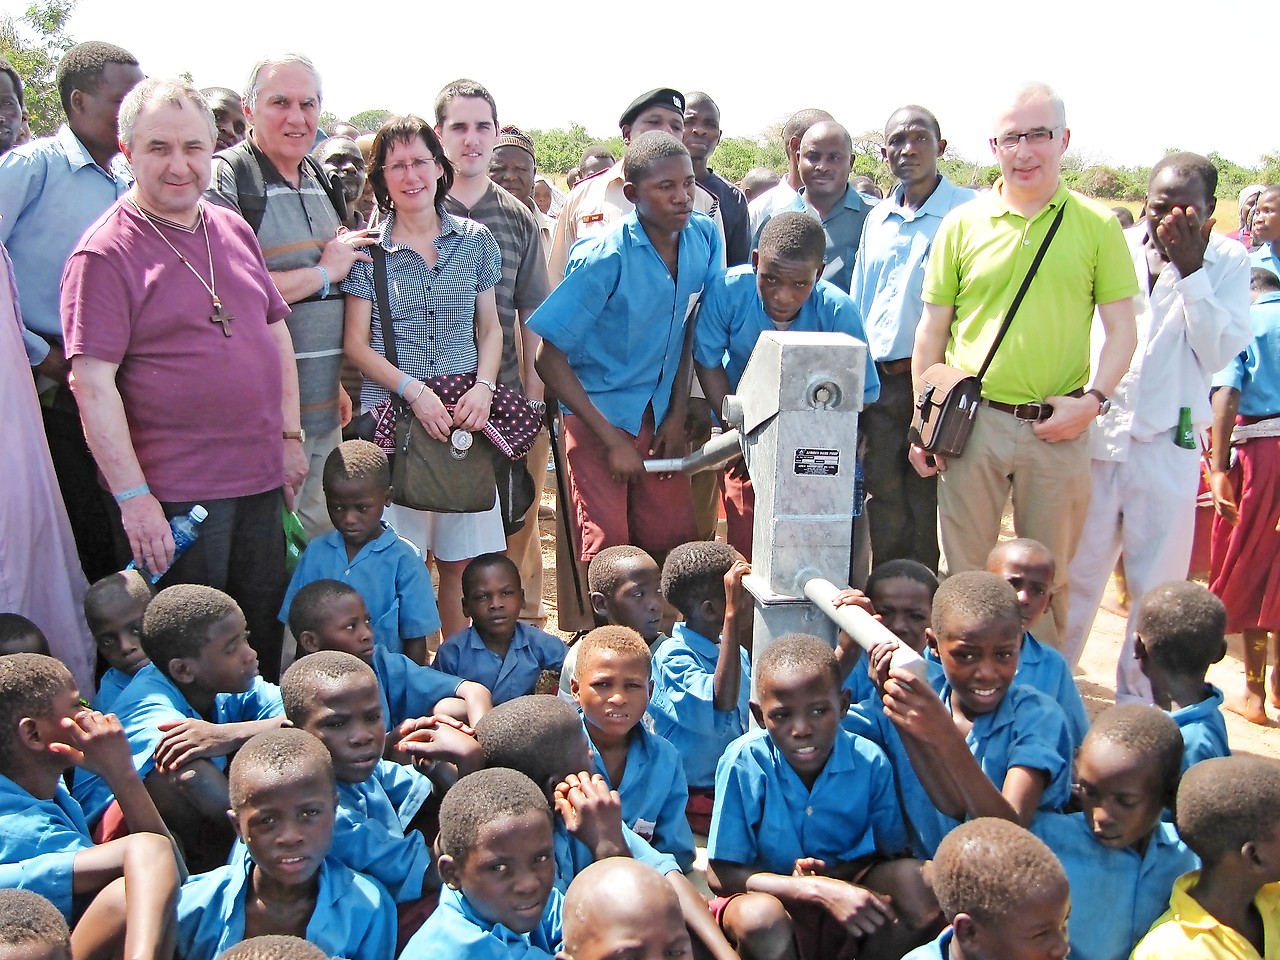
{"points": [[366, 552], [1003, 893], [498, 651], [1120, 858], [330, 615], [184, 713], [781, 289], [334, 696], [613, 351], [981, 745], [612, 683], [1180, 633], [702, 674], [807, 813], [282, 805], [113, 609], [542, 737], [1029, 567], [499, 901], [45, 846]]}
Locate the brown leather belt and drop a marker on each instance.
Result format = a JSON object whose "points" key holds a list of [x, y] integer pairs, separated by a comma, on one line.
{"points": [[893, 368], [1033, 412]]}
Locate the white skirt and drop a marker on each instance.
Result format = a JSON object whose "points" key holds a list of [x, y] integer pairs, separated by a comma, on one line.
{"points": [[450, 536]]}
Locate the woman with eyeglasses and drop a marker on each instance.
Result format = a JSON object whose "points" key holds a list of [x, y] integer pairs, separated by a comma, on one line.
{"points": [[441, 271]]}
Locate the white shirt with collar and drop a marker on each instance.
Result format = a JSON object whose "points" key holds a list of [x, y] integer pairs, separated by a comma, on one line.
{"points": [[1188, 329]]}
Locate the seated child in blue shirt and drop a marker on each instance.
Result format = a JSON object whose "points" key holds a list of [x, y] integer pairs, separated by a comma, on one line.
{"points": [[1003, 893], [497, 650], [806, 813], [970, 741], [781, 289], [1029, 567], [45, 847], [283, 799], [331, 615], [612, 685], [197, 701], [900, 595], [32, 928], [273, 946], [613, 350], [364, 551], [624, 586], [702, 674], [334, 696], [1120, 858], [497, 861], [1180, 633], [619, 904], [1230, 907], [542, 737], [20, 635], [113, 609]]}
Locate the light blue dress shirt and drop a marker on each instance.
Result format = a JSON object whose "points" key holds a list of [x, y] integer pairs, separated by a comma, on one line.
{"points": [[889, 272], [353, 918], [1265, 258], [39, 840], [532, 651], [1256, 371], [1116, 895], [1204, 730], [683, 704], [455, 931], [408, 689], [110, 687], [619, 318], [369, 834], [573, 856], [51, 192], [766, 818], [388, 573]]}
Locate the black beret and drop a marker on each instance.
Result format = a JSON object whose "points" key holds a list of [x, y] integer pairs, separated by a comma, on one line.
{"points": [[662, 97]]}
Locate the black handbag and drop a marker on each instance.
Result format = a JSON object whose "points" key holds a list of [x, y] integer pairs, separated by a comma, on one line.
{"points": [[426, 474], [949, 400]]}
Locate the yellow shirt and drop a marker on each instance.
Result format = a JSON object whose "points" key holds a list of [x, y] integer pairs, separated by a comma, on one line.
{"points": [[1187, 932]]}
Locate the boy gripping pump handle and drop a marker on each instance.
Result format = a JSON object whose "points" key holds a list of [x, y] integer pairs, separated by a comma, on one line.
{"points": [[866, 631], [185, 531]]}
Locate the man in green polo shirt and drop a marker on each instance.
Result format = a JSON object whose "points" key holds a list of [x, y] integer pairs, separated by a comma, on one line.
{"points": [[1039, 396]]}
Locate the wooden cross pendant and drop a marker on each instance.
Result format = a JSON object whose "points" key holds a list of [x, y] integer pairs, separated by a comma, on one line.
{"points": [[222, 317]]}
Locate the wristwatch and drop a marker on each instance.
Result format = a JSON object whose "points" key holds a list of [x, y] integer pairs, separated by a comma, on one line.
{"points": [[1104, 402], [492, 385], [299, 435]]}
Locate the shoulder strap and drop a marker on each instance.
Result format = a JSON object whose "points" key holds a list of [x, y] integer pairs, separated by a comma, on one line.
{"points": [[251, 189], [332, 187], [384, 305], [1022, 291]]}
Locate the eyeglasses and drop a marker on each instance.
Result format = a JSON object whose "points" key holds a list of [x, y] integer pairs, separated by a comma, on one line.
{"points": [[1010, 141], [418, 166]]}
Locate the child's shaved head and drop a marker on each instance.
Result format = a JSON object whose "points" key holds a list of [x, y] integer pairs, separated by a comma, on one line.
{"points": [[287, 754], [609, 567], [177, 622], [357, 460], [646, 151], [485, 797], [1183, 627], [28, 920], [300, 683], [974, 597], [794, 652], [1226, 802], [694, 572], [29, 683], [1145, 731], [274, 946], [794, 237], [619, 900], [987, 867], [124, 585], [623, 641], [540, 736]]}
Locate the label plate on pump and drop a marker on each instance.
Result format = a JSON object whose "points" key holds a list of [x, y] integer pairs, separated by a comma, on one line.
{"points": [[817, 462]]}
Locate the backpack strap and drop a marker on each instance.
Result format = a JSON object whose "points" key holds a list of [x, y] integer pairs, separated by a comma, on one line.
{"points": [[246, 161]]}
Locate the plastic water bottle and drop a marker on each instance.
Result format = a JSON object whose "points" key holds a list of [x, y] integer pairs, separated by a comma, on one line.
{"points": [[185, 531]]}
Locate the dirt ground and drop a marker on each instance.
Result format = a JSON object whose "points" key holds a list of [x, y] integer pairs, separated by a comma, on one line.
{"points": [[1095, 677]]}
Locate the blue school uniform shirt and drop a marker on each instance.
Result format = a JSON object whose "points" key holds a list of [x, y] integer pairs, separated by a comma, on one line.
{"points": [[1204, 730], [110, 687], [1255, 371], [454, 931], [733, 317], [407, 688], [619, 318], [765, 817], [682, 706], [39, 840], [654, 794], [1116, 895], [859, 682], [388, 573], [939, 949], [152, 699], [353, 917], [573, 856], [1027, 729], [1265, 258], [369, 833], [532, 651], [888, 275]]}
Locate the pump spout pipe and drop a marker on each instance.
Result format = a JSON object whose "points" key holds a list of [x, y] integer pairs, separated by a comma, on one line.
{"points": [[865, 629], [714, 453]]}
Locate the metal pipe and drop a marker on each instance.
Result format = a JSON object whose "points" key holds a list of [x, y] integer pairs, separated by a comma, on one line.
{"points": [[865, 629], [713, 453]]}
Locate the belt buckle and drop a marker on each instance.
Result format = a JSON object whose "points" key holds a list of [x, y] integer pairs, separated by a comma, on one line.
{"points": [[1033, 412]]}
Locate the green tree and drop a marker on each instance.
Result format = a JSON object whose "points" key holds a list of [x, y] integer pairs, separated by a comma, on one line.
{"points": [[370, 119], [327, 119], [34, 43]]}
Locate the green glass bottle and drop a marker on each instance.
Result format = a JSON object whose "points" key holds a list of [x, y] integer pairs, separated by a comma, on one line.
{"points": [[1185, 437]]}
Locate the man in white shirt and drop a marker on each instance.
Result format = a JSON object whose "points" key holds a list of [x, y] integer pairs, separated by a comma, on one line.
{"points": [[1193, 317]]}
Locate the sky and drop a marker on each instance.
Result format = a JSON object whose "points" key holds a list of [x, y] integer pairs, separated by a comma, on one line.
{"points": [[1130, 91]]}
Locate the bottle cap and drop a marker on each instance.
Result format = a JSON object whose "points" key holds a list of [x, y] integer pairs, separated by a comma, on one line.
{"points": [[198, 513]]}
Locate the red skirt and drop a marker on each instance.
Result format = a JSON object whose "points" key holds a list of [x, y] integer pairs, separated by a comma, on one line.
{"points": [[1244, 567]]}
